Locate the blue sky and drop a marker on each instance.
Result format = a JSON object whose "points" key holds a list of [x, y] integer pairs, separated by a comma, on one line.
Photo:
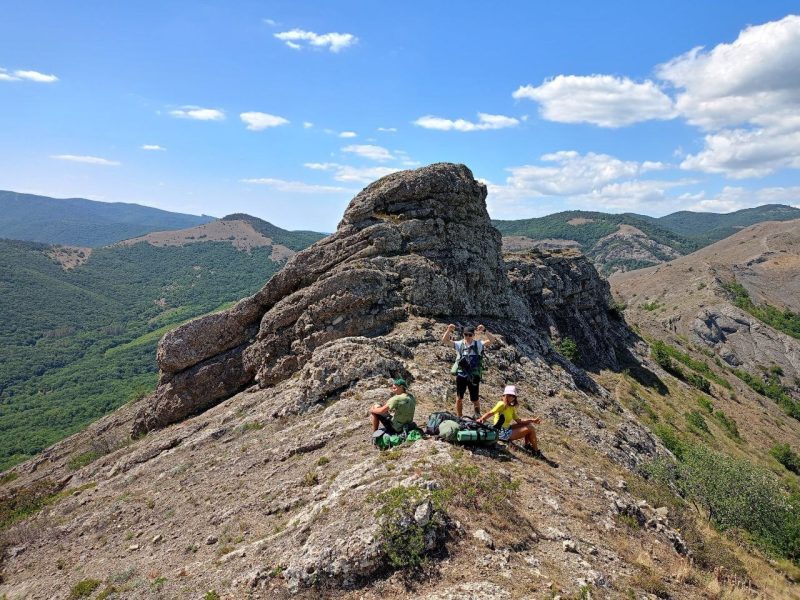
{"points": [[285, 110]]}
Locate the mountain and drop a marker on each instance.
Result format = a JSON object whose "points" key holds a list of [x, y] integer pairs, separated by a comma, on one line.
{"points": [[250, 471], [738, 298], [80, 222], [623, 242], [711, 227], [80, 325]]}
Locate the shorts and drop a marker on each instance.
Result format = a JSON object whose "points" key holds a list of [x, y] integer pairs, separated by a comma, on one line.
{"points": [[386, 422], [504, 434], [465, 383]]}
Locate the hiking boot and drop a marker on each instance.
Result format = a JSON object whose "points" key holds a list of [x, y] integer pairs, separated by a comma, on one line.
{"points": [[476, 413]]}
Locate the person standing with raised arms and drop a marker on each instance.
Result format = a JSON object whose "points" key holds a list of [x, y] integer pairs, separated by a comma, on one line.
{"points": [[468, 363]]}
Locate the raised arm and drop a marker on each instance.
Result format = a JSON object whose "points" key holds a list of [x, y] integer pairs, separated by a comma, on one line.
{"points": [[490, 340], [447, 338]]}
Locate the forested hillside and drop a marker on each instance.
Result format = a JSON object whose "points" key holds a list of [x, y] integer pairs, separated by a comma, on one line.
{"points": [[80, 222], [78, 343]]}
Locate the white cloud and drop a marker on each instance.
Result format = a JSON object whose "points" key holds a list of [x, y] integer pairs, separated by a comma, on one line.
{"points": [[198, 114], [300, 187], [151, 147], [347, 173], [754, 77], [307, 124], [742, 153], [348, 134], [89, 160], [271, 22], [377, 153], [572, 173], [258, 121], [736, 198], [485, 121], [334, 42], [20, 75], [602, 100], [388, 129]]}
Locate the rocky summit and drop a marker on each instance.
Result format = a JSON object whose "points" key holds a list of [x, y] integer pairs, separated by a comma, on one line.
{"points": [[249, 472]]}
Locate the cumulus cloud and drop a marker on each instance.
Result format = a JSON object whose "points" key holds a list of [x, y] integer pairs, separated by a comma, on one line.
{"points": [[348, 134], [25, 75], [602, 100], [300, 187], [296, 39], [151, 147], [742, 153], [569, 173], [89, 160], [736, 198], [485, 121], [754, 77], [258, 121], [350, 174], [198, 113], [377, 153]]}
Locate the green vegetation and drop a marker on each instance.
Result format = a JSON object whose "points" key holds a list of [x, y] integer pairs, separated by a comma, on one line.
{"points": [[83, 589], [29, 500], [787, 457], [402, 538], [467, 486], [783, 320], [670, 438], [295, 240], [664, 354], [728, 424], [737, 495], [771, 388], [699, 366], [651, 306], [211, 595], [77, 344], [568, 349], [696, 421]]}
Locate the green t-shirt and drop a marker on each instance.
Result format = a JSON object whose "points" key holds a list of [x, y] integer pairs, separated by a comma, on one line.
{"points": [[401, 407]]}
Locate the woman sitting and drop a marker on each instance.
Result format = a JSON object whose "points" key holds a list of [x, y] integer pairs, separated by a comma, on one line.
{"points": [[511, 427]]}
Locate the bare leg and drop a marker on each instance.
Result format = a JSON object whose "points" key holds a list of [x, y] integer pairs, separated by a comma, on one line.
{"points": [[459, 405], [527, 431], [375, 422]]}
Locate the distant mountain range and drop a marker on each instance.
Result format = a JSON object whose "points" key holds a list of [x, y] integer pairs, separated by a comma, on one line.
{"points": [[79, 325], [81, 222], [623, 242]]}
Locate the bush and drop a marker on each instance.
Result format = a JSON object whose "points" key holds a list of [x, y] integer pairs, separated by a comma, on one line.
{"points": [[568, 349], [671, 439], [83, 589], [698, 381], [728, 424], [402, 539], [696, 421], [787, 457]]}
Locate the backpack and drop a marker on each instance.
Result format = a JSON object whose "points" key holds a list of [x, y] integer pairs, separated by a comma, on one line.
{"points": [[432, 426], [472, 363]]}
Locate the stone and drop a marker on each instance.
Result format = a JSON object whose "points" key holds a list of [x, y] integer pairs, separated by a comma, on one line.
{"points": [[570, 546], [212, 539], [423, 513], [482, 536]]}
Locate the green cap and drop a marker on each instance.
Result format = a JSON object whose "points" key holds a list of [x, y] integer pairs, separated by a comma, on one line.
{"points": [[401, 382]]}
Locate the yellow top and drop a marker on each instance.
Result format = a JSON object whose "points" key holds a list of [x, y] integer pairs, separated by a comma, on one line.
{"points": [[509, 412]]}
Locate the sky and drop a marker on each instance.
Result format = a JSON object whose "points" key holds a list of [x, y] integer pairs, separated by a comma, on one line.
{"points": [[285, 110]]}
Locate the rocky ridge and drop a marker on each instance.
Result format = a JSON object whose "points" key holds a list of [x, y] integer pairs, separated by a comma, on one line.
{"points": [[252, 473]]}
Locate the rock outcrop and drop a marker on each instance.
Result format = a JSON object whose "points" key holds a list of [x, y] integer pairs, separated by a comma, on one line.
{"points": [[414, 243]]}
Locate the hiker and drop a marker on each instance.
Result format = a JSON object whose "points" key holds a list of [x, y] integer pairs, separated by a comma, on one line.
{"points": [[468, 364], [398, 411], [511, 427]]}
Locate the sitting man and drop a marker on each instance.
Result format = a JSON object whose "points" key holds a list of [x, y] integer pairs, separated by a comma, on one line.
{"points": [[398, 411]]}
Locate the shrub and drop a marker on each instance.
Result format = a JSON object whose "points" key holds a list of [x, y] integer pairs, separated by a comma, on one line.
{"points": [[83, 589], [706, 404], [698, 381], [728, 424], [696, 421], [401, 538], [671, 439], [651, 306], [787, 457], [568, 349]]}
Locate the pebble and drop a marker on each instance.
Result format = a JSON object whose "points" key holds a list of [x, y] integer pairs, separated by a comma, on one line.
{"points": [[157, 538], [133, 547], [212, 539]]}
